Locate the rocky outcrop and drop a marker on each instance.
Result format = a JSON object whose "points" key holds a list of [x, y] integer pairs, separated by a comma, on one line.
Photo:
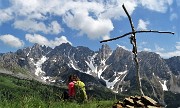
{"points": [[173, 64], [137, 101]]}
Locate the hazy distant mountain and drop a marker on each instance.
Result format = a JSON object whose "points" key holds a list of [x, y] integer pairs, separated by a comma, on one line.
{"points": [[114, 69]]}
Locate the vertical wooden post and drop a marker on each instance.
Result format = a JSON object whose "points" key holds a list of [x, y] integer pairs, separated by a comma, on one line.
{"points": [[134, 50]]}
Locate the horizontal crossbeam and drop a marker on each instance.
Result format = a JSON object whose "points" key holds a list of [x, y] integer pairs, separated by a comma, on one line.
{"points": [[144, 31]]}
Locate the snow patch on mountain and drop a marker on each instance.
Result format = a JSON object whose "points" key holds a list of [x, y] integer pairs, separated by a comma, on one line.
{"points": [[22, 58], [54, 60], [93, 68], [73, 63], [38, 65], [90, 63], [111, 84], [125, 73], [28, 52], [162, 82], [164, 85], [48, 78], [101, 71], [38, 70], [118, 78], [121, 76]]}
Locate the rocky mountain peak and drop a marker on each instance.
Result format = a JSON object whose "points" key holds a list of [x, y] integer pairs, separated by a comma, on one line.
{"points": [[63, 46], [36, 46], [152, 64], [105, 51]]}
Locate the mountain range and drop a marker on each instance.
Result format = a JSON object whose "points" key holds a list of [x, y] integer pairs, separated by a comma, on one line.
{"points": [[114, 69]]}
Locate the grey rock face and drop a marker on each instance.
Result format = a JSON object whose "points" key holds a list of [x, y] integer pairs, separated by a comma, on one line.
{"points": [[173, 64]]}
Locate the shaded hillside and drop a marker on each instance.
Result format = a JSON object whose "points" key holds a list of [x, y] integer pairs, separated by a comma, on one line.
{"points": [[12, 88]]}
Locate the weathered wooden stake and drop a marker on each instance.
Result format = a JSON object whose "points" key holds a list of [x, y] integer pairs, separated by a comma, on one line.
{"points": [[133, 42]]}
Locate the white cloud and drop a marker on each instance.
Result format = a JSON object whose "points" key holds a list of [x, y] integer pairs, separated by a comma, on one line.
{"points": [[172, 53], [178, 46], [36, 38], [173, 16], [124, 47], [169, 54], [91, 18], [143, 43], [105, 37], [170, 2], [142, 25], [6, 15], [34, 13], [147, 49], [11, 40], [142, 46], [156, 5], [28, 7], [114, 9], [80, 20], [34, 26], [55, 28], [158, 48], [161, 51]]}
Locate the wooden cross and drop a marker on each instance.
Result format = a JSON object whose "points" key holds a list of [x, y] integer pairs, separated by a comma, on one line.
{"points": [[133, 42]]}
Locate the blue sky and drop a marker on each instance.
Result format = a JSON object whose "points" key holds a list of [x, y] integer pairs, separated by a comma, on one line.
{"points": [[86, 22]]}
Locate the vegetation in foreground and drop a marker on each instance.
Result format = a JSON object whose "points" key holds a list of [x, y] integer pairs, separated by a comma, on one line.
{"points": [[21, 93], [33, 102]]}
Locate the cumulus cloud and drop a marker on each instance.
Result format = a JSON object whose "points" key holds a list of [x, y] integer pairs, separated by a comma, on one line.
{"points": [[158, 48], [105, 37], [143, 43], [91, 18], [34, 26], [124, 47], [173, 16], [178, 46], [114, 10], [156, 5], [29, 7], [36, 38], [169, 54], [94, 29], [6, 15], [172, 53], [147, 49], [142, 25], [142, 46], [12, 40]]}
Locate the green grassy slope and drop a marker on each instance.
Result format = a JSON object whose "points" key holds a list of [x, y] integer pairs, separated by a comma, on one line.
{"points": [[21, 93]]}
